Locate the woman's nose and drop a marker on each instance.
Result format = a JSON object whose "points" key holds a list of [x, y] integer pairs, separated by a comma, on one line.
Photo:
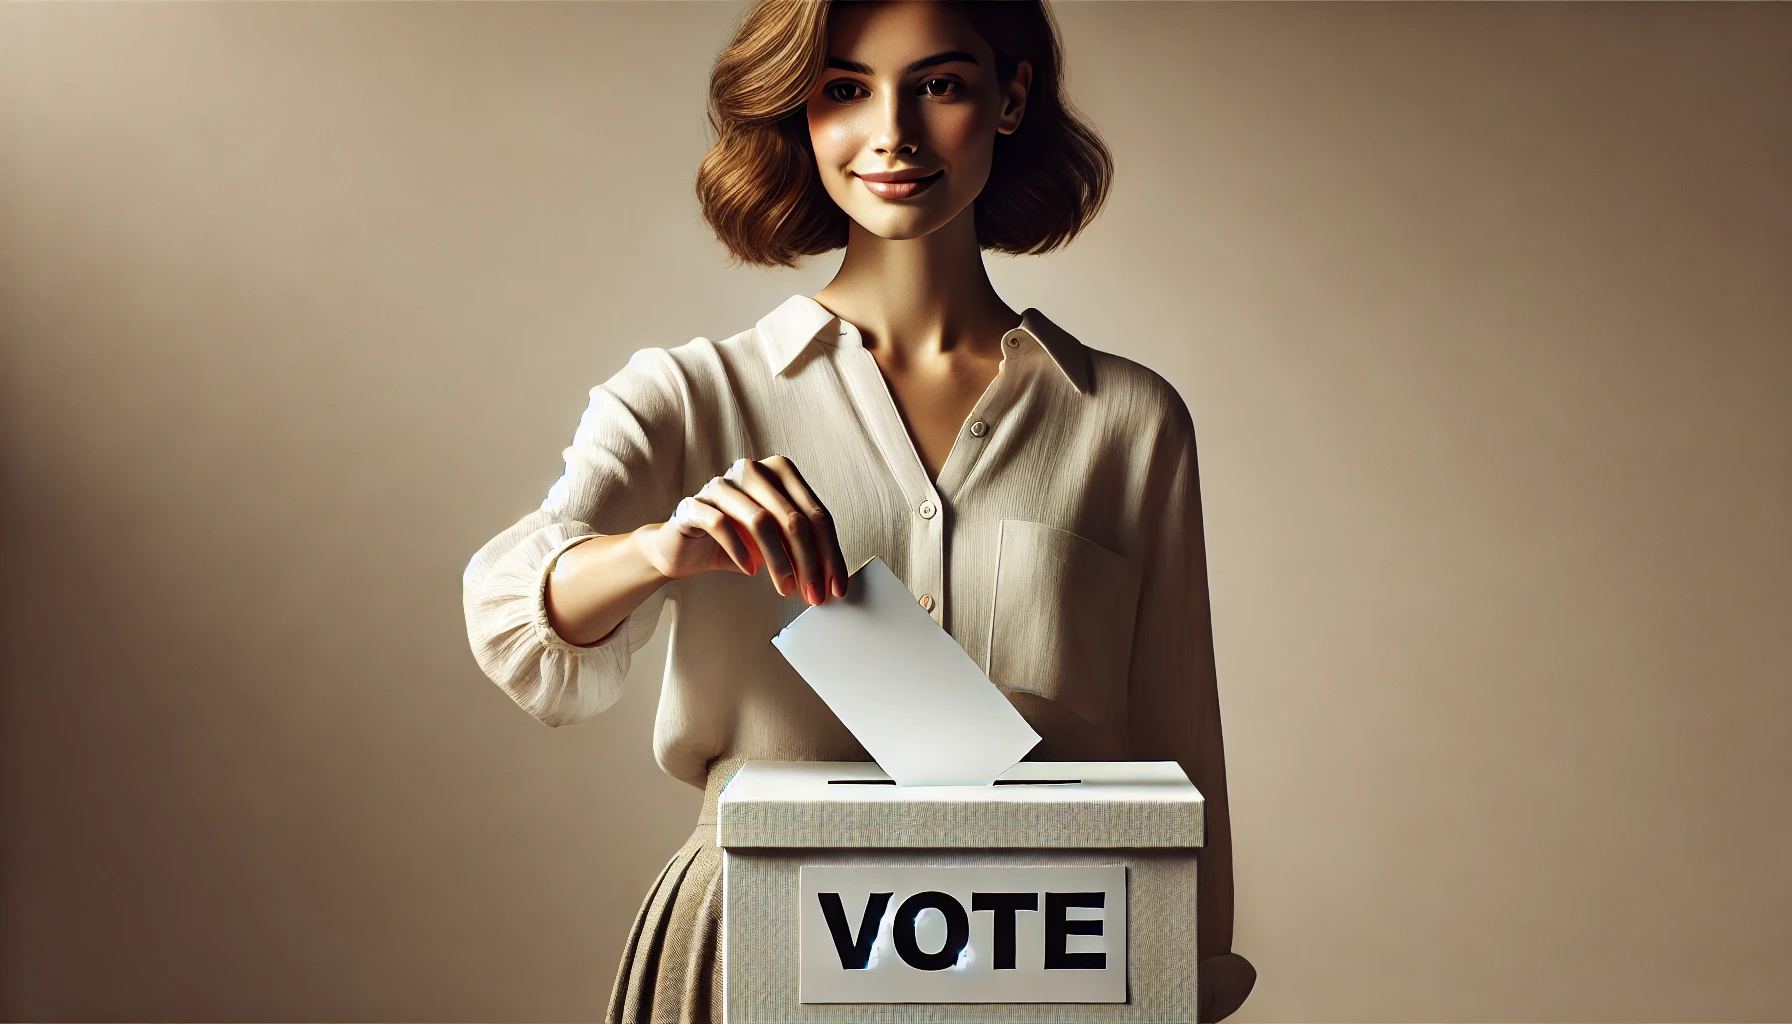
{"points": [[897, 129]]}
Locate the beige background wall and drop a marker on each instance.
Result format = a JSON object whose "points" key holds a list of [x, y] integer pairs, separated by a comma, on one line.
{"points": [[1482, 311]]}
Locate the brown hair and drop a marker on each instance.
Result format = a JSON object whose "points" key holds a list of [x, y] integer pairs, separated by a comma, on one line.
{"points": [[758, 183]]}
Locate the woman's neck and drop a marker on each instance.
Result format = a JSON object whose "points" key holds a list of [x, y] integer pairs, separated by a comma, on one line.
{"points": [[920, 297]]}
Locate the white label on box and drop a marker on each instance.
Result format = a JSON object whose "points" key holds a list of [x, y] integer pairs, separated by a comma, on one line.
{"points": [[877, 933]]}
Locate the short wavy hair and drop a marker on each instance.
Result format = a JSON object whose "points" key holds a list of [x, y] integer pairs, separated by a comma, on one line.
{"points": [[758, 184]]}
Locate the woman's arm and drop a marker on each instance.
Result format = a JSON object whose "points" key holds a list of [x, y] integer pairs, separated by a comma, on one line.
{"points": [[1174, 711], [623, 469], [557, 604], [1173, 696]]}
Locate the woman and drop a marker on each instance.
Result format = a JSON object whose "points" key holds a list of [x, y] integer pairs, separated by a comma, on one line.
{"points": [[1040, 498]]}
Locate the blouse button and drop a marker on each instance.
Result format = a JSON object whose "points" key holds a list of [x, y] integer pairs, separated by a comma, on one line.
{"points": [[927, 602], [927, 510], [979, 428]]}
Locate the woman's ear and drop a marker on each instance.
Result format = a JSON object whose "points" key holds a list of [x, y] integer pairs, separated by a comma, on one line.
{"points": [[1014, 98]]}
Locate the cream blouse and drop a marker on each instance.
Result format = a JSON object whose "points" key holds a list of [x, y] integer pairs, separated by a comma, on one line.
{"points": [[1061, 547]]}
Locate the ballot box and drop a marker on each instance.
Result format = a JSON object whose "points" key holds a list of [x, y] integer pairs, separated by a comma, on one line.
{"points": [[1063, 892]]}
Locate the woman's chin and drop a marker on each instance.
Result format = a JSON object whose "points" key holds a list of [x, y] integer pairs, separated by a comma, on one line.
{"points": [[900, 225]]}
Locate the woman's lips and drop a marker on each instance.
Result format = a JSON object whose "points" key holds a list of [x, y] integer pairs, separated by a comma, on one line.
{"points": [[901, 189]]}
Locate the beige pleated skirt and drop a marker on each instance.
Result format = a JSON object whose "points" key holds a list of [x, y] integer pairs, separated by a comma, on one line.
{"points": [[671, 970]]}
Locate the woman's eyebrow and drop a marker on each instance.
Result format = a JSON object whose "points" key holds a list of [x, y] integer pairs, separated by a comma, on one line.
{"points": [[925, 62]]}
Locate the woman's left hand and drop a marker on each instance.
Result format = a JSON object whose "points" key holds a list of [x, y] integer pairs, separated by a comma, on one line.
{"points": [[1225, 981]]}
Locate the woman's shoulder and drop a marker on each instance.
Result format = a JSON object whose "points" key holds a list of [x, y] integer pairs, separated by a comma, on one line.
{"points": [[1125, 378], [1116, 384], [760, 349], [1126, 388], [697, 365]]}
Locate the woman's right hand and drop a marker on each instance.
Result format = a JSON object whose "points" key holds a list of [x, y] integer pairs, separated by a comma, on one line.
{"points": [[760, 512]]}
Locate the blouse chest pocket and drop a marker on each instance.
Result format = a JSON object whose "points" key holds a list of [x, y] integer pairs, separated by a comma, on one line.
{"points": [[1062, 622]]}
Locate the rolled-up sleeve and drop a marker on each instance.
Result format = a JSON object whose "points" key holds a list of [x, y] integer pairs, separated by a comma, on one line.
{"points": [[623, 469], [1173, 696]]}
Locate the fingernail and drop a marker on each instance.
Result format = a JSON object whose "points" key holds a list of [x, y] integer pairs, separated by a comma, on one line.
{"points": [[812, 592], [839, 586], [789, 585]]}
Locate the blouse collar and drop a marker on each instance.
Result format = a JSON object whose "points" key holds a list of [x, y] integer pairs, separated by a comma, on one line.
{"points": [[786, 331]]}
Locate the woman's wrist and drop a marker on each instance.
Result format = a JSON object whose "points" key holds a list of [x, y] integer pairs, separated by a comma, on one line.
{"points": [[641, 546]]}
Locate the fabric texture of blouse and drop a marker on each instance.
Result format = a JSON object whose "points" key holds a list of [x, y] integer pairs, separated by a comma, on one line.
{"points": [[1061, 546]]}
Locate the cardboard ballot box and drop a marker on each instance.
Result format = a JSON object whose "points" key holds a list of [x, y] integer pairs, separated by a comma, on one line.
{"points": [[1064, 892]]}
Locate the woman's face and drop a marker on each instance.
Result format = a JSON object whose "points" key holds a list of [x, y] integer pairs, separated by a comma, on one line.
{"points": [[909, 91]]}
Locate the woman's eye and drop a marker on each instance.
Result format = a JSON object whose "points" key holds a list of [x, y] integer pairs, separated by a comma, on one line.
{"points": [[940, 87], [840, 91]]}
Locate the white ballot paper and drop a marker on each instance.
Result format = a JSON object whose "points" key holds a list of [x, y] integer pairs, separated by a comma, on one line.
{"points": [[917, 703]]}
